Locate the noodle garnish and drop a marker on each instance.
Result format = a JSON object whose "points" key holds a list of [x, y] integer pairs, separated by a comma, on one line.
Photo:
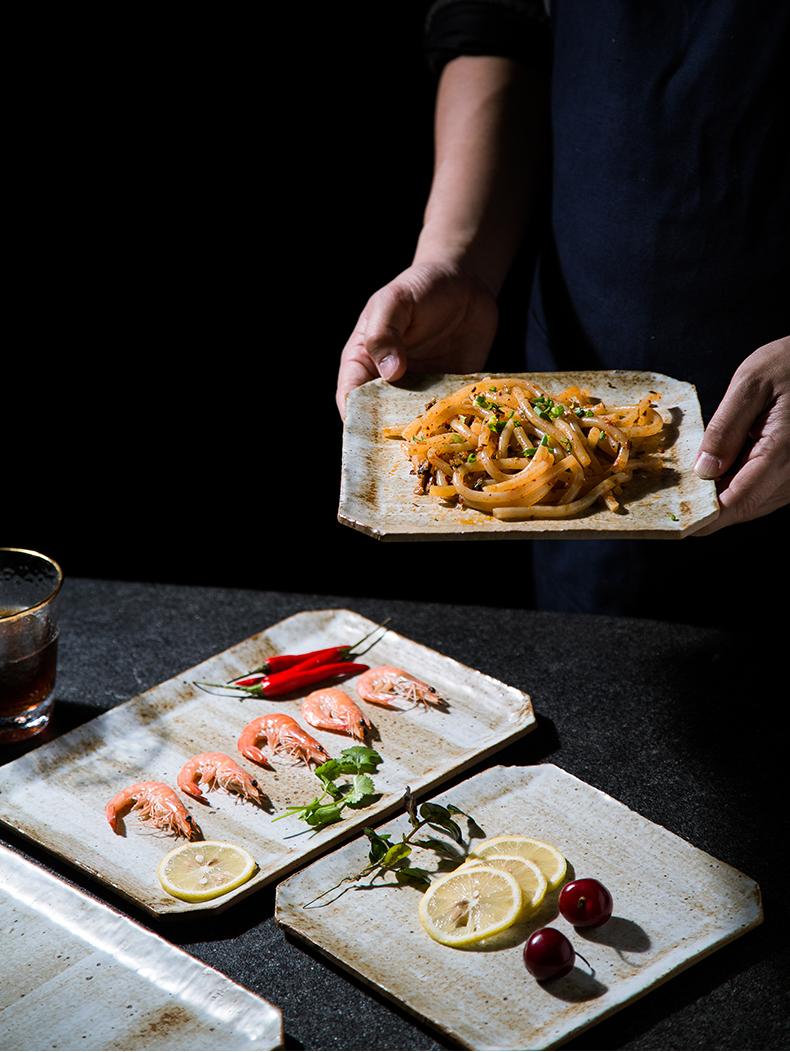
{"points": [[508, 448]]}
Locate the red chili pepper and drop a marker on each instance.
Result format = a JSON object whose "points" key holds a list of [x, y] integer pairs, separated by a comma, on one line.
{"points": [[285, 662], [327, 656], [281, 662], [295, 678]]}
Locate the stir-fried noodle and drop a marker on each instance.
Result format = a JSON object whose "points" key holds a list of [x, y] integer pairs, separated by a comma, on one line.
{"points": [[506, 447]]}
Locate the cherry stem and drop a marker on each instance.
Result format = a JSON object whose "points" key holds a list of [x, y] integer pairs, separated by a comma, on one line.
{"points": [[592, 970]]}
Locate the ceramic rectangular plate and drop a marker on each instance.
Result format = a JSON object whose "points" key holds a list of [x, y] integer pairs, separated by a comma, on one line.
{"points": [[78, 975], [55, 795], [377, 492], [484, 998]]}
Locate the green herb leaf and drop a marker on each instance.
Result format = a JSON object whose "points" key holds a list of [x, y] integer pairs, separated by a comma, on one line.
{"points": [[379, 844], [361, 788], [385, 856], [396, 854], [328, 771], [356, 761], [415, 878], [359, 758], [436, 815]]}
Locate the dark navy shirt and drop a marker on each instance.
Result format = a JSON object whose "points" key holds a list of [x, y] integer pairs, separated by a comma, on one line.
{"points": [[669, 243], [668, 247]]}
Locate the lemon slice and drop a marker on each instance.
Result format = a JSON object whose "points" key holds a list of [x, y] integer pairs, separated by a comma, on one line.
{"points": [[530, 877], [205, 869], [546, 857], [470, 904]]}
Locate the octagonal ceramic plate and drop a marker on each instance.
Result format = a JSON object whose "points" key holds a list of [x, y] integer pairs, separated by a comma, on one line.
{"points": [[55, 794], [673, 905]]}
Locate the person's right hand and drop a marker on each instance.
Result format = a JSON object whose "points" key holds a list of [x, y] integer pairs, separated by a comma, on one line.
{"points": [[434, 317]]}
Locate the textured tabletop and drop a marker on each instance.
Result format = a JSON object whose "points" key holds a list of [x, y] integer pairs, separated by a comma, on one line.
{"points": [[676, 722]]}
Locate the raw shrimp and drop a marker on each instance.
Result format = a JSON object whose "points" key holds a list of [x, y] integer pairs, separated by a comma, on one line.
{"points": [[331, 709], [283, 735], [158, 806], [385, 684], [217, 769]]}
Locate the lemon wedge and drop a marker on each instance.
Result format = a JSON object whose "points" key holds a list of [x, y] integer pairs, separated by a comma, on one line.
{"points": [[470, 904], [530, 877], [205, 869], [546, 857]]}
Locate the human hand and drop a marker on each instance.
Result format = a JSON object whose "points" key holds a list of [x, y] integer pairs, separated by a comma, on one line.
{"points": [[756, 406], [434, 317]]}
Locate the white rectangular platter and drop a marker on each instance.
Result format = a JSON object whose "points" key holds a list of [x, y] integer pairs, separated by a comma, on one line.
{"points": [[55, 795], [484, 998], [77, 975], [377, 492]]}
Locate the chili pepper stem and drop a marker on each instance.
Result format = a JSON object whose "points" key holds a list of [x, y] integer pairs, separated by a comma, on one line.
{"points": [[354, 646], [224, 686]]}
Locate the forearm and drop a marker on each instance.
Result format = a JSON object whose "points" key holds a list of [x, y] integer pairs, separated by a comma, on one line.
{"points": [[491, 153]]}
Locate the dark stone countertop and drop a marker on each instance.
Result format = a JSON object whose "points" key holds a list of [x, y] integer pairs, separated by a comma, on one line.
{"points": [[682, 724]]}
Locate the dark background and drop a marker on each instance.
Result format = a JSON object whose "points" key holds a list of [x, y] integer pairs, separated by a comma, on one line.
{"points": [[202, 210]]}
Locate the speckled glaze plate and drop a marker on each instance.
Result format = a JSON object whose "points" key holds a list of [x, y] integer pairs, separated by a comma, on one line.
{"points": [[83, 976], [673, 905], [55, 795], [377, 492]]}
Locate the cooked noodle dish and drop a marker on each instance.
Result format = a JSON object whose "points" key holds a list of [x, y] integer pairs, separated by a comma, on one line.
{"points": [[507, 447]]}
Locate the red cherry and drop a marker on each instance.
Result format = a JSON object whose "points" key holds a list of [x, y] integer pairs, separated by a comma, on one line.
{"points": [[548, 954], [585, 903]]}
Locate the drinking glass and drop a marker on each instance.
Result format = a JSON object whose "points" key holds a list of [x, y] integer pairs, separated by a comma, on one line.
{"points": [[29, 598]]}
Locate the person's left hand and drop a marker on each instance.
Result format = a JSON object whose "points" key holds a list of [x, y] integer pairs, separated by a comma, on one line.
{"points": [[756, 406]]}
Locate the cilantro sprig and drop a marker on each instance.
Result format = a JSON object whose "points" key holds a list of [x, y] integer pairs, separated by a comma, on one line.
{"points": [[356, 763], [385, 856]]}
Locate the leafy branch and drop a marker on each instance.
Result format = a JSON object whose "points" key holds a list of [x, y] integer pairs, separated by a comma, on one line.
{"points": [[358, 762], [385, 856]]}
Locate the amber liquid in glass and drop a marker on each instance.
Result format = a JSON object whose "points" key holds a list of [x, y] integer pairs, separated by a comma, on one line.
{"points": [[24, 685]]}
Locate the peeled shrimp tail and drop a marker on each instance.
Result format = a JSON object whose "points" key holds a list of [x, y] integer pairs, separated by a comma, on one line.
{"points": [[111, 810], [248, 741], [158, 806], [190, 775]]}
